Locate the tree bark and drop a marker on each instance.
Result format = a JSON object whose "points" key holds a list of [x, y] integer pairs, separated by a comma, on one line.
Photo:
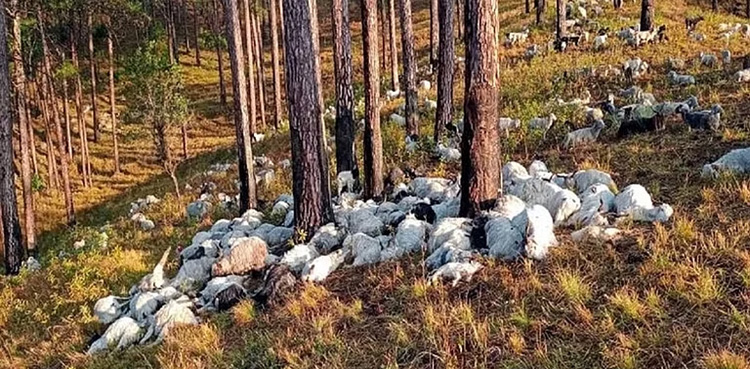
{"points": [[196, 33], [747, 8], [170, 36], [561, 15], [528, 7], [382, 4], [395, 86], [342, 68], [58, 131], [480, 161], [444, 113], [219, 56], [248, 199], [410, 68], [373, 145], [275, 60], [184, 15], [248, 48], [647, 15], [10, 225], [258, 42], [112, 100], [29, 128], [325, 184], [715, 5], [19, 81], [434, 34], [92, 69], [312, 203], [460, 18]]}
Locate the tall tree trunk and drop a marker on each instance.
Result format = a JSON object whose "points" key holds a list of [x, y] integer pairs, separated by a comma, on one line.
{"points": [[170, 36], [434, 35], [647, 15], [618, 4], [58, 131], [540, 6], [561, 15], [395, 86], [184, 15], [715, 5], [92, 69], [275, 60], [281, 23], [325, 185], [312, 203], [248, 199], [42, 98], [527, 9], [460, 18], [248, 47], [480, 160], [373, 147], [82, 130], [342, 69], [258, 42], [382, 4], [747, 8], [30, 128], [173, 14], [66, 112], [10, 225], [196, 33], [444, 113], [219, 56], [112, 100], [410, 68]]}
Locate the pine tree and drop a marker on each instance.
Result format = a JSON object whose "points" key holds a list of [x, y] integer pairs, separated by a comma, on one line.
{"points": [[373, 146], [342, 67], [444, 113], [480, 161]]}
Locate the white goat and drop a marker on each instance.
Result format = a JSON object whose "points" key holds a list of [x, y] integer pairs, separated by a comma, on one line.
{"points": [[298, 256], [346, 182], [321, 267], [708, 59], [584, 135], [540, 236], [636, 202], [680, 79], [543, 124], [155, 279], [123, 333], [455, 272], [364, 249], [742, 76], [736, 161], [109, 308]]}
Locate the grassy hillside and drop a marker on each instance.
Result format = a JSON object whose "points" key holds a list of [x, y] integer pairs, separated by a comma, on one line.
{"points": [[667, 296]]}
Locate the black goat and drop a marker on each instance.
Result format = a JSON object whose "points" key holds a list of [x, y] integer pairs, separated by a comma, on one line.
{"points": [[691, 23], [640, 125]]}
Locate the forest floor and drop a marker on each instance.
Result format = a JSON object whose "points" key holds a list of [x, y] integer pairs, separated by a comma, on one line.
{"points": [[674, 295]]}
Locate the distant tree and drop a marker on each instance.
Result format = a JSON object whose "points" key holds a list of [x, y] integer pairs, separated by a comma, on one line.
{"points": [[92, 75], [250, 76], [312, 204], [527, 8], [248, 197], [82, 129], [342, 70], [219, 44], [10, 225], [155, 97], [410, 68], [394, 53], [196, 31], [540, 6], [273, 11], [258, 54], [434, 34], [715, 5], [444, 113], [57, 129], [647, 15], [19, 83], [561, 15], [112, 98], [373, 146], [480, 159]]}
